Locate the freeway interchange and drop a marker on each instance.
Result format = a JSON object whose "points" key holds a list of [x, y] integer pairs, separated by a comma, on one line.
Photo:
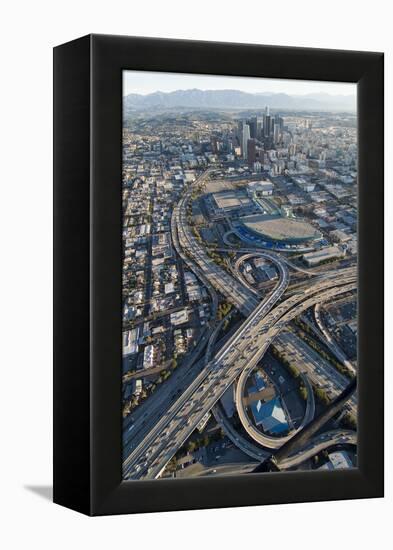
{"points": [[166, 421]]}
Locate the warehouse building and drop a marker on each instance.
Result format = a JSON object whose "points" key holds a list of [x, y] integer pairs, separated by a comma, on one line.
{"points": [[270, 416], [312, 259]]}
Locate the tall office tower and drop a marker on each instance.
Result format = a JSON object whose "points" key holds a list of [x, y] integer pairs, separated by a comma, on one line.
{"points": [[279, 121], [253, 122], [276, 133], [266, 123], [245, 138], [239, 133], [272, 125], [214, 144], [251, 151], [259, 128]]}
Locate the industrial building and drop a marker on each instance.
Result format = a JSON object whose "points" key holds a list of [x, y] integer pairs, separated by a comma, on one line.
{"points": [[130, 347], [338, 460], [312, 259], [270, 416], [179, 317], [232, 202], [148, 356], [260, 187]]}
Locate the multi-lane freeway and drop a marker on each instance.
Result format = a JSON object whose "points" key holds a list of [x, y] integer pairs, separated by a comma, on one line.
{"points": [[330, 342], [180, 412], [245, 348], [318, 444], [195, 255], [319, 371]]}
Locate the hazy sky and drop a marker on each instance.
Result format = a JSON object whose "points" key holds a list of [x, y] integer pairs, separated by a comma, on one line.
{"points": [[143, 82]]}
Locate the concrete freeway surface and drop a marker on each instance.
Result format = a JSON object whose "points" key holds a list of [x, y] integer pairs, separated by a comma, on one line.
{"points": [[258, 314], [137, 425], [320, 371], [318, 444], [248, 345], [333, 346], [261, 438], [148, 457], [195, 255]]}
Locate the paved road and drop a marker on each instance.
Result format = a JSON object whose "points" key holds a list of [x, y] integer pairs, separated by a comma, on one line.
{"points": [[173, 426], [241, 442], [318, 444], [330, 342], [139, 423], [255, 250], [322, 373], [194, 255], [248, 345], [264, 439]]}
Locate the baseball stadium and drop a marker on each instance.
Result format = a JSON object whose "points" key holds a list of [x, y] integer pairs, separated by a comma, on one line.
{"points": [[279, 229]]}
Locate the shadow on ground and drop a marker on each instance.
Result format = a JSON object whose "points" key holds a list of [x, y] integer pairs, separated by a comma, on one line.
{"points": [[44, 491]]}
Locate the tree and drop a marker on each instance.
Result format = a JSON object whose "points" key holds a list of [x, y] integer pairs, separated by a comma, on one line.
{"points": [[322, 396], [303, 392], [349, 420]]}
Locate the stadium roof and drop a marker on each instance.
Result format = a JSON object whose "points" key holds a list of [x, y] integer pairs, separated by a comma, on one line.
{"points": [[280, 228]]}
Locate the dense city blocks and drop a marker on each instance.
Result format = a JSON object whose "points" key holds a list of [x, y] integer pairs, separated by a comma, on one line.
{"points": [[239, 282]]}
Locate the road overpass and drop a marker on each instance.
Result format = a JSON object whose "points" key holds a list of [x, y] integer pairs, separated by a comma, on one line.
{"points": [[146, 458], [195, 255], [317, 444], [247, 346]]}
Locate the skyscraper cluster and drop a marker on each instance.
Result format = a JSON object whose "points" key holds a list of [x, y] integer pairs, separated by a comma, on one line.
{"points": [[259, 132]]}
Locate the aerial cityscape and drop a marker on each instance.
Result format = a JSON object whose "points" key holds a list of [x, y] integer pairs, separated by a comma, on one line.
{"points": [[239, 274]]}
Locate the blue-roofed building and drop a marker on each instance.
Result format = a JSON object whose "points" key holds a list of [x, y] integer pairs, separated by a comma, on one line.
{"points": [[259, 381], [271, 416]]}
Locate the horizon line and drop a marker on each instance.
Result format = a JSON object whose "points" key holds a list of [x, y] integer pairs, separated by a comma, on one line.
{"points": [[238, 90]]}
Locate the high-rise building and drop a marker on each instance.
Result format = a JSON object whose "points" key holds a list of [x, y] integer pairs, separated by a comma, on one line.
{"points": [[245, 137], [239, 133], [214, 144], [272, 125], [251, 151], [259, 128], [276, 133], [253, 127], [280, 121], [266, 123]]}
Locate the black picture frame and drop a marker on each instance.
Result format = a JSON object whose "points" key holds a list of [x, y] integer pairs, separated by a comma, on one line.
{"points": [[87, 273]]}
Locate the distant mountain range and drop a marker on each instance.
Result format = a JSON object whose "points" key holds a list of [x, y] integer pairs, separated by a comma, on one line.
{"points": [[235, 99]]}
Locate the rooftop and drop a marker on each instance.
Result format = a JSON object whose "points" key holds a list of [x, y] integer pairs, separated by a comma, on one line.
{"points": [[231, 199], [270, 415], [280, 229]]}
